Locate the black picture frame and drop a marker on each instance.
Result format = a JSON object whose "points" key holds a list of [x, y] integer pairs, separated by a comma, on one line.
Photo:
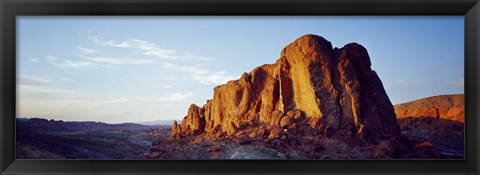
{"points": [[9, 9]]}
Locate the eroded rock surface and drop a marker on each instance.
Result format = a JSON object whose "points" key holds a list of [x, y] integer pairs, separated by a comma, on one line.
{"points": [[312, 89], [448, 107]]}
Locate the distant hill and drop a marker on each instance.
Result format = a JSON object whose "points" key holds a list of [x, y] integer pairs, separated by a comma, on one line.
{"points": [[44, 125], [50, 139], [450, 107], [440, 101], [438, 120], [157, 122]]}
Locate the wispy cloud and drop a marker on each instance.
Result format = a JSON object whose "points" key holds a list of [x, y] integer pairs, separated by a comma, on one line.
{"points": [[149, 80], [75, 64], [176, 97], [120, 61], [86, 62], [149, 48], [51, 58], [102, 101], [102, 42], [183, 68], [116, 100], [33, 59], [167, 86], [92, 31], [457, 82], [172, 78], [201, 74], [68, 79], [43, 89], [34, 78], [79, 64], [87, 50], [214, 78], [119, 100], [172, 97], [393, 84]]}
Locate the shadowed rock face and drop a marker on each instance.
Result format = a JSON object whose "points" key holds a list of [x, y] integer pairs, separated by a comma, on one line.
{"points": [[311, 84]]}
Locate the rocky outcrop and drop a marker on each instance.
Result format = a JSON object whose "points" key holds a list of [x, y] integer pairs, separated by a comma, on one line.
{"points": [[312, 88], [448, 107]]}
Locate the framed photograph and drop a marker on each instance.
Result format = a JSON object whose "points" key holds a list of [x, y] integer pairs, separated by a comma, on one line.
{"points": [[269, 87]]}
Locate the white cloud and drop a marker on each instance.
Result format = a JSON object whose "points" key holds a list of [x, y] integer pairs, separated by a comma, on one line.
{"points": [[92, 31], [120, 61], [119, 100], [43, 89], [147, 80], [33, 78], [33, 59], [68, 79], [51, 58], [176, 97], [69, 64], [213, 78], [99, 41], [457, 82], [200, 74], [95, 61], [173, 97], [116, 100], [141, 62], [149, 48], [138, 44], [183, 68], [75, 64], [172, 78], [72, 100], [167, 86], [140, 98], [395, 83], [87, 50]]}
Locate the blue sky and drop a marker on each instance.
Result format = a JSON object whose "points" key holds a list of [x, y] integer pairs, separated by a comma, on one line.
{"points": [[133, 69]]}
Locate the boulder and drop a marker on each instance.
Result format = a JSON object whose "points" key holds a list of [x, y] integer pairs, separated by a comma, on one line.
{"points": [[244, 139], [258, 133], [285, 122], [275, 133]]}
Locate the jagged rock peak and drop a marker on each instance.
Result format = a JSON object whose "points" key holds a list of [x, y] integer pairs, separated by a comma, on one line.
{"points": [[312, 86]]}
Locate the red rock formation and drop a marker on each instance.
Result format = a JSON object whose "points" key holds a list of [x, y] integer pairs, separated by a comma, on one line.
{"points": [[311, 85], [449, 107]]}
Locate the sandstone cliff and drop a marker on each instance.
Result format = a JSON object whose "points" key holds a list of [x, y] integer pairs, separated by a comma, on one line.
{"points": [[449, 107], [312, 88]]}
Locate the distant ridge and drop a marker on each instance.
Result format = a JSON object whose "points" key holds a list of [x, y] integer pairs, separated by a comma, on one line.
{"points": [[44, 125], [449, 107], [157, 122]]}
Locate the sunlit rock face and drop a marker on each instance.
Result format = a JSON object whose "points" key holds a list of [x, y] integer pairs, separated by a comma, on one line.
{"points": [[447, 107], [312, 88]]}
